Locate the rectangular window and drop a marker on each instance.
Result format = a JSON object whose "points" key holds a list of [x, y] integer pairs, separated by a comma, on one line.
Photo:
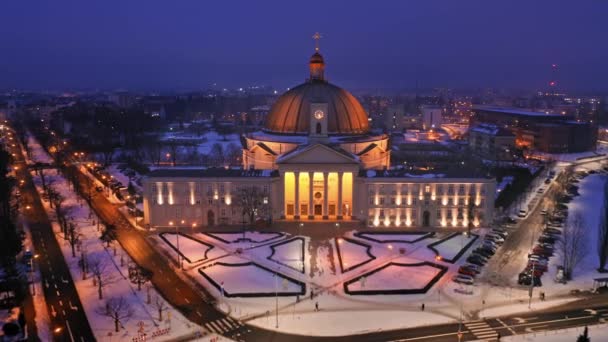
{"points": [[222, 188], [427, 188], [381, 200], [393, 201]]}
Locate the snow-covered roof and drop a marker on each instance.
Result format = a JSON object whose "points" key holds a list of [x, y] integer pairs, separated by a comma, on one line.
{"points": [[491, 130], [514, 111]]}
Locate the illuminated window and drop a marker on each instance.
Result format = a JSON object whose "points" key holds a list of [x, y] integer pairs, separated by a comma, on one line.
{"points": [[427, 188]]}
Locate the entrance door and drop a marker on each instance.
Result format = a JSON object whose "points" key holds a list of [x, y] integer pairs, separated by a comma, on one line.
{"points": [[318, 209], [426, 218], [210, 218]]}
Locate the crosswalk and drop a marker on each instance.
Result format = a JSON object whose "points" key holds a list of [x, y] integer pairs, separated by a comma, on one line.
{"points": [[224, 326], [482, 330]]}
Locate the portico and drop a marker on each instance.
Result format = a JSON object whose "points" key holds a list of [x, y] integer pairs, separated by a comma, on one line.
{"points": [[317, 190]]}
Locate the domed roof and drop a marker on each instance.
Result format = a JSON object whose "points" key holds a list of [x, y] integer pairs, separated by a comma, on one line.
{"points": [[291, 112]]}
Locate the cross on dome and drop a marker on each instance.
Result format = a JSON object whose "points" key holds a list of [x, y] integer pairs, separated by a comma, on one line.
{"points": [[317, 36]]}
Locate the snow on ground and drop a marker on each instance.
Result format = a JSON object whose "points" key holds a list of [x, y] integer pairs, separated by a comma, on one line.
{"points": [[38, 155], [115, 264], [290, 254], [193, 250], [589, 205], [392, 237], [596, 333], [396, 277], [339, 323], [243, 279], [352, 254], [449, 249]]}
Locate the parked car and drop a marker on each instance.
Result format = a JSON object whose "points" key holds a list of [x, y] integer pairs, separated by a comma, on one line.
{"points": [[547, 239], [495, 237], [466, 271], [552, 231], [548, 181], [503, 233], [522, 213], [475, 268], [463, 279], [476, 260], [484, 252]]}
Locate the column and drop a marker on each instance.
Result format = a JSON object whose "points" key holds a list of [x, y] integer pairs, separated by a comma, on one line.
{"points": [[325, 196], [340, 196], [311, 213], [281, 196], [297, 195]]}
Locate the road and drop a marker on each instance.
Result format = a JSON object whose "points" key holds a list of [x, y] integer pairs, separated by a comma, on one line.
{"points": [[65, 310]]}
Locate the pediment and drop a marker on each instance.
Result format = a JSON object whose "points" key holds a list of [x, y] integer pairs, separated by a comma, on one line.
{"points": [[318, 154]]}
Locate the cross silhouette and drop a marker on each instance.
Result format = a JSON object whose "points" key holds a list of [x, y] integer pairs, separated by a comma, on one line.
{"points": [[317, 36]]}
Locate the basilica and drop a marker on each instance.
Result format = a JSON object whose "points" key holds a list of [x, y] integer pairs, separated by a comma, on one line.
{"points": [[317, 160]]}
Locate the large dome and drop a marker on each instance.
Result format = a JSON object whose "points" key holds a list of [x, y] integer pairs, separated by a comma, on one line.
{"points": [[291, 112]]}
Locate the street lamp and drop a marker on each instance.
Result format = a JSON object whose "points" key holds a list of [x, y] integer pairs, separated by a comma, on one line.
{"points": [[179, 262], [337, 228]]}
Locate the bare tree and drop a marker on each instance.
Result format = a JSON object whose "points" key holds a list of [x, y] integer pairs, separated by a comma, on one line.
{"points": [[217, 154], [153, 149], [251, 201], [101, 276], [602, 241], [139, 275], [160, 305], [73, 236], [118, 309], [572, 245]]}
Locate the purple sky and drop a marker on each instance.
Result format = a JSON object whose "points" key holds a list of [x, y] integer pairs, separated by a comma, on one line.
{"points": [[367, 44]]}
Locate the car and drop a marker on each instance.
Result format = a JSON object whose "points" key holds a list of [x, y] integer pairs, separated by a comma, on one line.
{"points": [[473, 267], [510, 220], [548, 181], [476, 260], [484, 252], [542, 250], [540, 190], [98, 189], [494, 237], [547, 239], [463, 279], [466, 271], [552, 231], [522, 213], [537, 257], [544, 212], [490, 245], [503, 233]]}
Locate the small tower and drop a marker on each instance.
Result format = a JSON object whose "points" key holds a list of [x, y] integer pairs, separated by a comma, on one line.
{"points": [[317, 64]]}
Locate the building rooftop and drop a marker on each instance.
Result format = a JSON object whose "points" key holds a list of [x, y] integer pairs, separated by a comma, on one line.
{"points": [[455, 172], [515, 111], [491, 130]]}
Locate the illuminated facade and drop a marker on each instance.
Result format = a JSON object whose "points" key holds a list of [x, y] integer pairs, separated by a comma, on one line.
{"points": [[316, 160]]}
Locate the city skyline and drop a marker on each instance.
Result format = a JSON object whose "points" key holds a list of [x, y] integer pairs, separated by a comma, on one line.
{"points": [[387, 46]]}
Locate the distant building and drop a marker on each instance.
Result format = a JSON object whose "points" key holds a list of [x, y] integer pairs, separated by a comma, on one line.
{"points": [[549, 133], [492, 142], [431, 117], [122, 99], [397, 119]]}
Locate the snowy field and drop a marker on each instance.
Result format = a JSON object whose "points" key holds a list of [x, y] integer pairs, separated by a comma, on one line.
{"points": [[396, 277], [392, 237], [249, 279], [597, 333], [192, 250], [290, 253], [450, 248], [352, 255]]}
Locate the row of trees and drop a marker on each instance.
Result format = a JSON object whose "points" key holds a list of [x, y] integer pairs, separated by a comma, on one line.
{"points": [[11, 238]]}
